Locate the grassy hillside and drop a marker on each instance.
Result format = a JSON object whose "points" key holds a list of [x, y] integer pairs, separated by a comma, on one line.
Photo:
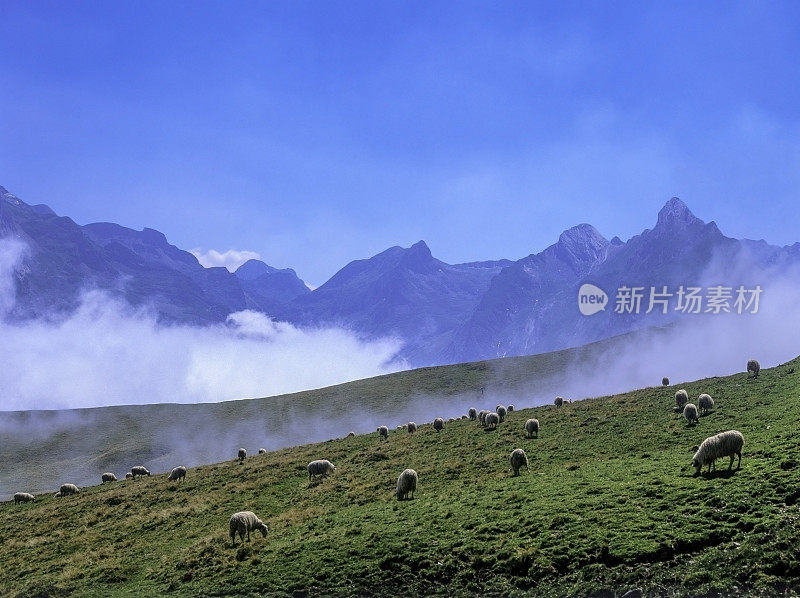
{"points": [[40, 449], [609, 504]]}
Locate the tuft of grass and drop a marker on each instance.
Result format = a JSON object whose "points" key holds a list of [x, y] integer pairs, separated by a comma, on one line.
{"points": [[610, 504]]}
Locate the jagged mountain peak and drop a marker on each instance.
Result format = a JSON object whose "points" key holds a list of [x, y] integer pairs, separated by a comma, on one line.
{"points": [[253, 269], [582, 235], [676, 213], [417, 256]]}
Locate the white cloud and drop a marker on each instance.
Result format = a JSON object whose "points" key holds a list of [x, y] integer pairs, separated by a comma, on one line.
{"points": [[107, 353], [231, 259]]}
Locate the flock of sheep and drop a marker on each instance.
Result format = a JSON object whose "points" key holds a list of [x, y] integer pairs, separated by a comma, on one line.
{"points": [[178, 473], [724, 444]]}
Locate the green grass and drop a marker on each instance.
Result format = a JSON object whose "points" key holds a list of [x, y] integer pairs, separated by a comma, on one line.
{"points": [[42, 449], [609, 504]]}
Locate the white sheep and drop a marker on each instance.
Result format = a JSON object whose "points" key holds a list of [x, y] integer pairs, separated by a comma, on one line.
{"points": [[67, 489], [320, 467], [472, 413], [510, 408], [178, 473], [139, 471], [558, 401], [664, 381], [23, 497], [753, 366], [491, 420], [242, 454], [406, 484], [351, 435], [681, 398], [242, 523], [438, 424], [532, 427], [518, 459], [411, 427], [262, 451], [128, 476], [724, 444], [705, 403], [501, 412], [383, 432], [690, 413], [108, 477], [482, 416]]}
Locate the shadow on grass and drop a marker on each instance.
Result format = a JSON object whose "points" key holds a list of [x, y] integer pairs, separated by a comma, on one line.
{"points": [[718, 473]]}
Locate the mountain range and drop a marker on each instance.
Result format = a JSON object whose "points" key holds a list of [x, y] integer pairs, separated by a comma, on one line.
{"points": [[443, 313]]}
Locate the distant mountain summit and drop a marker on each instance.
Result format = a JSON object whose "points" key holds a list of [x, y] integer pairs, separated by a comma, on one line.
{"points": [[442, 313], [141, 267]]}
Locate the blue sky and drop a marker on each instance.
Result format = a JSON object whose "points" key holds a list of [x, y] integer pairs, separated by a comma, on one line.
{"points": [[316, 133]]}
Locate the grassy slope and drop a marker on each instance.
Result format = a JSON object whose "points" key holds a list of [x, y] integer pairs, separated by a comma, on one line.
{"points": [[41, 449], [609, 504]]}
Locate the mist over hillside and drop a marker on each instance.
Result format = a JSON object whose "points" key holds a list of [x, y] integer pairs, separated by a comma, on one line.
{"points": [[106, 338]]}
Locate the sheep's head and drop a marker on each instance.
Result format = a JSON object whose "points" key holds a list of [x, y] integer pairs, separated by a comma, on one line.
{"points": [[263, 528], [697, 466]]}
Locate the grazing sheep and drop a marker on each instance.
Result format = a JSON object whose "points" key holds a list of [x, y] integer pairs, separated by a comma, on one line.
{"points": [[351, 435], [491, 420], [567, 401], [438, 424], [128, 476], [400, 427], [558, 401], [690, 413], [320, 467], [501, 412], [262, 451], [179, 473], [108, 477], [664, 381], [451, 420], [753, 366], [383, 432], [242, 454], [464, 417], [510, 408], [472, 413], [482, 416], [243, 522], [724, 444], [411, 427], [705, 403], [532, 427], [518, 459], [406, 484], [23, 497], [139, 471], [681, 398], [67, 489]]}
